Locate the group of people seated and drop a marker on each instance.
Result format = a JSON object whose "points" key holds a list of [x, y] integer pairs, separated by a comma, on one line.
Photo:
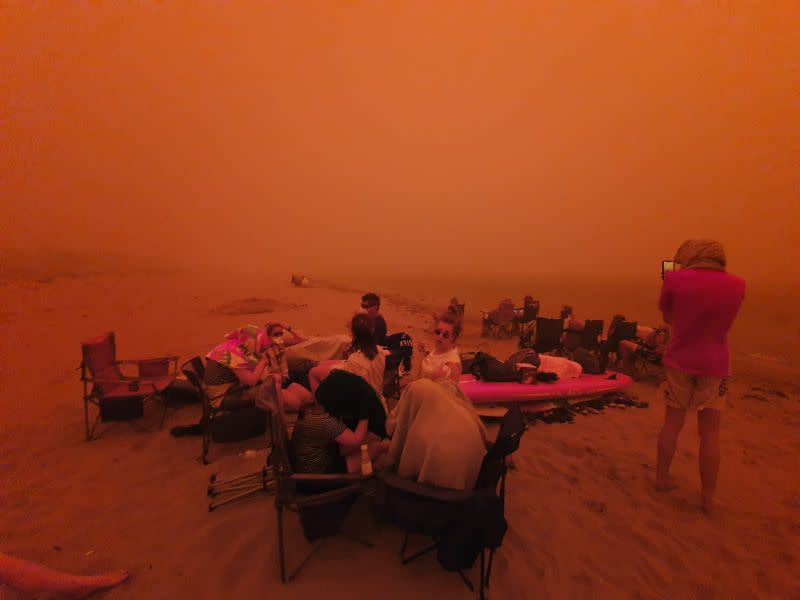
{"points": [[432, 435]]}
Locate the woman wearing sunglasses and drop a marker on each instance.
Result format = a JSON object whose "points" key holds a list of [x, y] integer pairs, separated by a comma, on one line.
{"points": [[444, 361]]}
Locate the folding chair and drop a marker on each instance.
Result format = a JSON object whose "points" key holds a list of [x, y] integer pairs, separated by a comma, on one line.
{"points": [[442, 514], [120, 397], [500, 322], [526, 322], [548, 334], [322, 501], [590, 336]]}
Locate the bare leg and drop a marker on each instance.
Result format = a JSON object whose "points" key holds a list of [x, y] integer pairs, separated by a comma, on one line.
{"points": [[627, 352], [708, 421], [318, 374], [667, 443], [29, 578]]}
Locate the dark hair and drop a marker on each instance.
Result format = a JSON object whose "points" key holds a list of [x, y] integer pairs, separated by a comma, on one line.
{"points": [[450, 319], [371, 298], [271, 325], [363, 328]]}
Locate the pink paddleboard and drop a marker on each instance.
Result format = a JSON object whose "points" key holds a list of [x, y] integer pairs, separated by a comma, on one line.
{"points": [[493, 392]]}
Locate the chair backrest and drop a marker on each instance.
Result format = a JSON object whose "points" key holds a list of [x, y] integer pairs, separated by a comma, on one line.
{"points": [[100, 355], [592, 330], [280, 457], [548, 334], [218, 374], [194, 371]]}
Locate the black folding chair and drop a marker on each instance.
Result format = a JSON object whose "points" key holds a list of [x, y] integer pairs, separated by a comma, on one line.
{"points": [[548, 334], [444, 514], [590, 336]]}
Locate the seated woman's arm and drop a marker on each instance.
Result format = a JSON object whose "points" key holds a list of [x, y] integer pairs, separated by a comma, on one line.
{"points": [[251, 377], [350, 440], [455, 370], [296, 338]]}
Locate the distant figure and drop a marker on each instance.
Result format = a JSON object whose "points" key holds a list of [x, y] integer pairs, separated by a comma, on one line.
{"points": [[567, 313], [300, 281], [650, 347], [700, 301], [29, 578], [456, 307], [371, 304]]}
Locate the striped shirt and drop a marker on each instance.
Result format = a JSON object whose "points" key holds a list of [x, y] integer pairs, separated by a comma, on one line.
{"points": [[314, 441]]}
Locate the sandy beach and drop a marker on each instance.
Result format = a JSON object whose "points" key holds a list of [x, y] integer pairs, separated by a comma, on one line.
{"points": [[584, 520]]}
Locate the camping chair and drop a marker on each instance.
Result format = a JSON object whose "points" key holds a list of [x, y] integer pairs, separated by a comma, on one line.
{"points": [[500, 322], [526, 322], [442, 514], [457, 309], [590, 336], [117, 396], [322, 501], [548, 334], [649, 360]]}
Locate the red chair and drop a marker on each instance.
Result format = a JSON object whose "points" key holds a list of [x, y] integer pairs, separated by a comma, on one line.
{"points": [[120, 397]]}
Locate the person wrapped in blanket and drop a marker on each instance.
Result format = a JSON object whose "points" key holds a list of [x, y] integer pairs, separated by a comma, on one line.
{"points": [[525, 366], [438, 438], [344, 413]]}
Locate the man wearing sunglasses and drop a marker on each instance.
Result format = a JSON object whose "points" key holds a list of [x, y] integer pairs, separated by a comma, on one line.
{"points": [[400, 345], [371, 304]]}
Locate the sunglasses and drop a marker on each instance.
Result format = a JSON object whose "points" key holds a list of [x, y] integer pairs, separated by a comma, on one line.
{"points": [[365, 306], [444, 334]]}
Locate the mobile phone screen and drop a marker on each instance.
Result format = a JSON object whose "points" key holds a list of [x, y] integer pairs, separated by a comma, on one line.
{"points": [[667, 266]]}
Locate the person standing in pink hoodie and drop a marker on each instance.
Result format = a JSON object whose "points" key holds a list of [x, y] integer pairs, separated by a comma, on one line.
{"points": [[700, 301]]}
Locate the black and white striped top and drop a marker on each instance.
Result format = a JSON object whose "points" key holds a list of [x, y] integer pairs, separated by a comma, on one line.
{"points": [[314, 441]]}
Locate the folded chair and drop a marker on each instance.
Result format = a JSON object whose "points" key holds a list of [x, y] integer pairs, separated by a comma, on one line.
{"points": [[120, 397], [322, 501], [500, 322], [548, 334], [590, 336], [462, 523]]}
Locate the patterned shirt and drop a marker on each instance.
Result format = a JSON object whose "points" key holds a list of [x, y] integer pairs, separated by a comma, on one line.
{"points": [[314, 441]]}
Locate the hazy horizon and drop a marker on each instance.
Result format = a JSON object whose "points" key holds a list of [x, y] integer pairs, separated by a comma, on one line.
{"points": [[531, 139]]}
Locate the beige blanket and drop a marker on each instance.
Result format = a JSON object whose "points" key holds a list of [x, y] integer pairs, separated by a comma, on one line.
{"points": [[319, 348], [439, 439]]}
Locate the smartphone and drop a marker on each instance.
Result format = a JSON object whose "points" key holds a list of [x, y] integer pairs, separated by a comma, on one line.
{"points": [[667, 266]]}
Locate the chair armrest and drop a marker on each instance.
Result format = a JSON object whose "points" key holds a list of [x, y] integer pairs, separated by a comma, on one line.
{"points": [[124, 380], [327, 477], [137, 361], [393, 481]]}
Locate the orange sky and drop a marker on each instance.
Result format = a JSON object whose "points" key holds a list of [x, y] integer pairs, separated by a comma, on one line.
{"points": [[328, 135]]}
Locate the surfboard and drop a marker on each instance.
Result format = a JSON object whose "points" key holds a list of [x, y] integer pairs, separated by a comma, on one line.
{"points": [[504, 393]]}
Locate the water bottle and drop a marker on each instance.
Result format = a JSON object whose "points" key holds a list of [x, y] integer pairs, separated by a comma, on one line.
{"points": [[366, 461]]}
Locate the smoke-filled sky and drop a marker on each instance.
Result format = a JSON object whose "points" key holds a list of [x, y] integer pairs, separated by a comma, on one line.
{"points": [[413, 135]]}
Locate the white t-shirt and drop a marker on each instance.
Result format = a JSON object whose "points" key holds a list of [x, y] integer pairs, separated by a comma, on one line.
{"points": [[563, 367], [432, 362]]}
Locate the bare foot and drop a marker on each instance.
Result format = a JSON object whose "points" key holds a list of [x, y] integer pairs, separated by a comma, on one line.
{"points": [[707, 506], [666, 486], [108, 580]]}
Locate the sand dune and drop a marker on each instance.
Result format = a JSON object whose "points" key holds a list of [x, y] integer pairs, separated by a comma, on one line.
{"points": [[584, 519]]}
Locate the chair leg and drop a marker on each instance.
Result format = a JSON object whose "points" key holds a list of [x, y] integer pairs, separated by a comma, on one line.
{"points": [[407, 559], [483, 559], [489, 568], [281, 556], [466, 581], [86, 419]]}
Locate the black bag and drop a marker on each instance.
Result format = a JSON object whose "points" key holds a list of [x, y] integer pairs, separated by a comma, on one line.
{"points": [[237, 425], [121, 408]]}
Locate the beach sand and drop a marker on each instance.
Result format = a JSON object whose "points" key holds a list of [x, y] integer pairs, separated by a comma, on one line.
{"points": [[584, 521]]}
